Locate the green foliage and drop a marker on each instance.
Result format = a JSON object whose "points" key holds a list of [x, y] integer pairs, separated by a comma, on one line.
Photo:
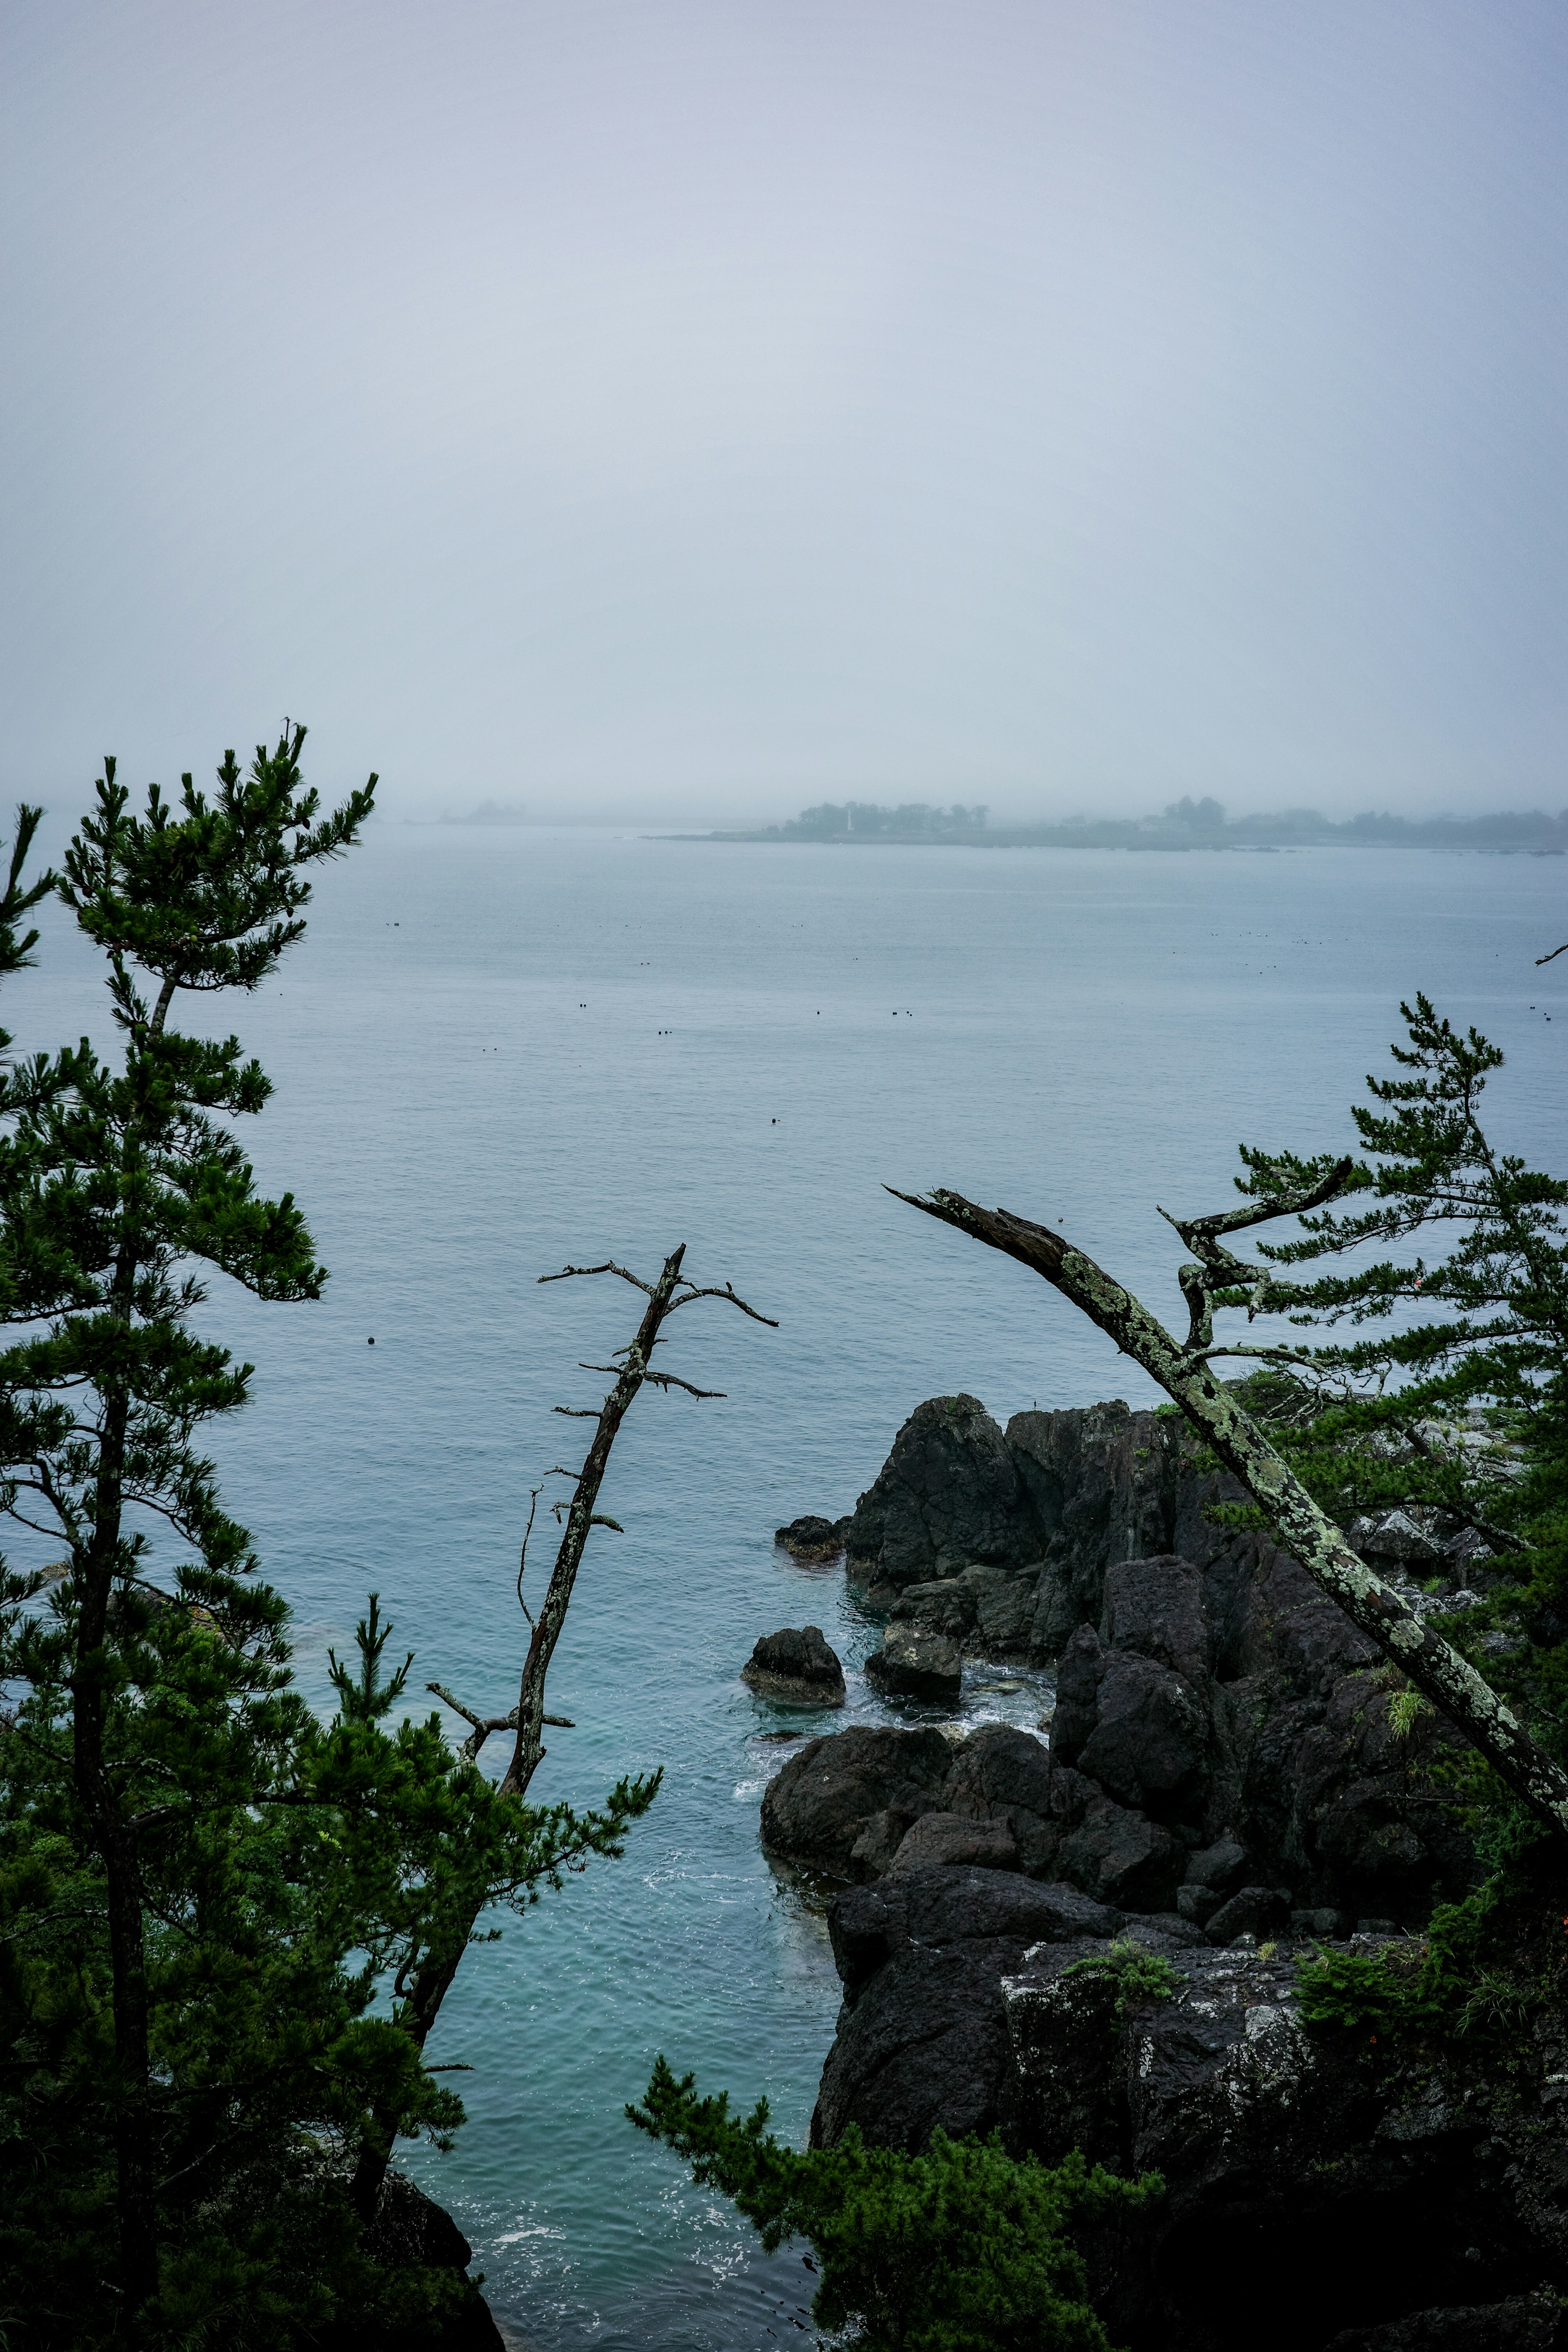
{"points": [[1447, 1986], [1445, 1386], [1138, 1975], [209, 1896], [961, 2249]]}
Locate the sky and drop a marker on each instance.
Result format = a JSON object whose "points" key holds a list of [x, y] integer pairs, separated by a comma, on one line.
{"points": [[651, 410]]}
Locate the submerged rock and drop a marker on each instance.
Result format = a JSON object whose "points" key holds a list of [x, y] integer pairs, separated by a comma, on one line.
{"points": [[796, 1668]]}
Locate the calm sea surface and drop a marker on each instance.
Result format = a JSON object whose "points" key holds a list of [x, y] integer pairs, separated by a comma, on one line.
{"points": [[500, 1050]]}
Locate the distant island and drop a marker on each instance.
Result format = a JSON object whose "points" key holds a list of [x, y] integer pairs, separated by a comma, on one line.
{"points": [[1182, 825], [492, 813]]}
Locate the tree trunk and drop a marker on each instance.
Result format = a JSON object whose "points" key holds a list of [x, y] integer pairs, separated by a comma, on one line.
{"points": [[1433, 1665], [432, 1979], [116, 1842]]}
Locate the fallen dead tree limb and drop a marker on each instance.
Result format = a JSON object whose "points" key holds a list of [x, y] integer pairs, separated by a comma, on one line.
{"points": [[1182, 1370]]}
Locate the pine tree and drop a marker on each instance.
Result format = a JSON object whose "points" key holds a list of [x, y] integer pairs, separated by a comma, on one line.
{"points": [[205, 1891]]}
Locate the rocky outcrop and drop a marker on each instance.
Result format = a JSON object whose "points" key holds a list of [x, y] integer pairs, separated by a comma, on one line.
{"points": [[1313, 2186], [949, 1495], [796, 1668], [914, 1663], [812, 1541], [1224, 1779], [1318, 2192], [1207, 1689], [1525, 2323], [925, 2037]]}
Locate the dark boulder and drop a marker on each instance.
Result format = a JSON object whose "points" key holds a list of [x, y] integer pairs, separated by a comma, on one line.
{"points": [[796, 1668], [825, 1797], [1150, 1745], [913, 1663], [1254, 1911], [947, 1841], [949, 1494], [812, 1541], [1002, 1774], [1135, 1725], [1121, 1857]]}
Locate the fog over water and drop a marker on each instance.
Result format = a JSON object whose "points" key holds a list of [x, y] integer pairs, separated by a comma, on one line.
{"points": [[690, 411], [497, 1053]]}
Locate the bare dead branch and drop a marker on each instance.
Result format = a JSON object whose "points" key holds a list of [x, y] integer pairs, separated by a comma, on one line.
{"points": [[1555, 953], [690, 1294], [567, 1274], [1437, 1669], [575, 1411], [483, 1724]]}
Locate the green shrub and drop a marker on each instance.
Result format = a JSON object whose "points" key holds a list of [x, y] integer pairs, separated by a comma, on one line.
{"points": [[960, 2249], [1137, 1974]]}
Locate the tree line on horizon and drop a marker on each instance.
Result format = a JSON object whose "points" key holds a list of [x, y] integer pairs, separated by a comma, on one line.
{"points": [[1186, 823]]}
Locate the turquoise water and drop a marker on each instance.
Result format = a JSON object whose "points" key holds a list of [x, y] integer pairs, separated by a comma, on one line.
{"points": [[498, 1050]]}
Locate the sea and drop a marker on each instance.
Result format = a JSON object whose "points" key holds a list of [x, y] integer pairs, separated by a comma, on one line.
{"points": [[501, 1051]]}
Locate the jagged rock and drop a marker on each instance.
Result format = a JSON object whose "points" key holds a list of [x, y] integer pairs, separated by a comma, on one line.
{"points": [[949, 1494], [1394, 1535], [812, 1541], [987, 1609], [796, 1668], [816, 1808], [913, 1663], [1103, 1484]]}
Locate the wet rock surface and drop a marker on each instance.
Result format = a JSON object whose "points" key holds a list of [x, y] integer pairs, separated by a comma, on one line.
{"points": [[796, 1668]]}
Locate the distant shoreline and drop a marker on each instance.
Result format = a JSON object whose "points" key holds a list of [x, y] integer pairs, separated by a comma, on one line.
{"points": [[1056, 840]]}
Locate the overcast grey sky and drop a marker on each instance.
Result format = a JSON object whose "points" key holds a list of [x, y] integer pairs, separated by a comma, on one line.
{"points": [[689, 411]]}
